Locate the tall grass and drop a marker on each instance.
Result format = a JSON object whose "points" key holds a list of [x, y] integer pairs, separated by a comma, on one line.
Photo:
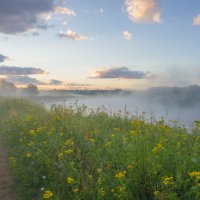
{"points": [[76, 153]]}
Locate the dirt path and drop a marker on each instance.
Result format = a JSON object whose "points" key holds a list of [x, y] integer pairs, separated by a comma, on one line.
{"points": [[6, 182]]}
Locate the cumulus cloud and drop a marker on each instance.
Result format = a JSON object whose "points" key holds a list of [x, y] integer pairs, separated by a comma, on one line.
{"points": [[23, 80], [64, 10], [55, 82], [127, 35], [120, 73], [4, 70], [72, 35], [19, 16], [196, 20], [3, 58], [143, 11]]}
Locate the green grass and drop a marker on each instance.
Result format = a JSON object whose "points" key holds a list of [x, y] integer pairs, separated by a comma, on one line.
{"points": [[76, 153]]}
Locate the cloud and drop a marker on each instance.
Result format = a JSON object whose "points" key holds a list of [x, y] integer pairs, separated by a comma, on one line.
{"points": [[23, 80], [19, 16], [143, 11], [77, 84], [127, 35], [196, 20], [120, 73], [4, 70], [64, 10], [54, 82], [99, 11], [3, 58], [72, 35]]}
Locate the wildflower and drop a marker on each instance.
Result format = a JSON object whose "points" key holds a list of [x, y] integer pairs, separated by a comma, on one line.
{"points": [[32, 132], [92, 140], [130, 166], [157, 148], [31, 143], [99, 171], [75, 190], [120, 175], [42, 189], [70, 180], [28, 155], [47, 194], [134, 133], [195, 175], [69, 151], [121, 189], [60, 155], [90, 177], [69, 142], [101, 192], [99, 181], [108, 144], [167, 180], [12, 159]]}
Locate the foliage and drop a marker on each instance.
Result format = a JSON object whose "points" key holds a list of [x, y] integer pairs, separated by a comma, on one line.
{"points": [[77, 153], [31, 89]]}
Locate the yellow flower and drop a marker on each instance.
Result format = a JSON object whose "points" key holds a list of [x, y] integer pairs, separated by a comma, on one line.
{"points": [[69, 151], [157, 148], [99, 171], [108, 144], [32, 132], [92, 140], [134, 133], [70, 180], [120, 175], [75, 190], [99, 181], [47, 194], [60, 155], [90, 177], [31, 143], [69, 142], [130, 166], [28, 155], [101, 192], [112, 190], [195, 174], [12, 159], [167, 180], [121, 188]]}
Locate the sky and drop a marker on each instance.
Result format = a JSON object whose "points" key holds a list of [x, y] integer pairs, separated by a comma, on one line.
{"points": [[92, 44]]}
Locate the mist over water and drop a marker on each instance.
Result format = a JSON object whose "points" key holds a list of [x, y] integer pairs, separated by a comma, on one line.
{"points": [[175, 103], [181, 104]]}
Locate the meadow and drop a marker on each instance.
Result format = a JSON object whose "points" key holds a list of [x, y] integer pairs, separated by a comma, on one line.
{"points": [[72, 153]]}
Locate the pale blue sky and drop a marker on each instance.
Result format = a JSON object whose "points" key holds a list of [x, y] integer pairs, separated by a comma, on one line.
{"points": [[167, 48]]}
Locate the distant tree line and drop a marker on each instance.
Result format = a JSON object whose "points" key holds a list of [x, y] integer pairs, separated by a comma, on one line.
{"points": [[7, 88]]}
